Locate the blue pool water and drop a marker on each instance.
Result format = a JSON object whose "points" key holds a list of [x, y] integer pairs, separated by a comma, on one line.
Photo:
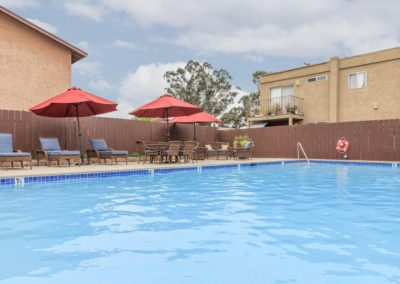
{"points": [[264, 224]]}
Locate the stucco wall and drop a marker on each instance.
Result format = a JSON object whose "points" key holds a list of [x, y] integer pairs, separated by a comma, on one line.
{"points": [[383, 88], [315, 95], [33, 68]]}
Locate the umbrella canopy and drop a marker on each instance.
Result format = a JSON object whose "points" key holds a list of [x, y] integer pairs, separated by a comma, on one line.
{"points": [[74, 102], [197, 117], [166, 106]]}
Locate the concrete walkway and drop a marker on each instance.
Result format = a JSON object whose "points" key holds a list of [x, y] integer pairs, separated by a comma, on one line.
{"points": [[54, 170]]}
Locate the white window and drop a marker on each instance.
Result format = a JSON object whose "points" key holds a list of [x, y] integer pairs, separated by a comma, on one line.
{"points": [[280, 97], [317, 78], [279, 92], [358, 80]]}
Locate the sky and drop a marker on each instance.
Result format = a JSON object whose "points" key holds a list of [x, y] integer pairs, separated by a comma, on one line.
{"points": [[132, 43]]}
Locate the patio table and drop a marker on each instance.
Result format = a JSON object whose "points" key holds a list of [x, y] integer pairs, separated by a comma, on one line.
{"points": [[159, 147]]}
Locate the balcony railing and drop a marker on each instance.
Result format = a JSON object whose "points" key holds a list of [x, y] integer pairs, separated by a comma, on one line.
{"points": [[277, 106], [285, 105]]}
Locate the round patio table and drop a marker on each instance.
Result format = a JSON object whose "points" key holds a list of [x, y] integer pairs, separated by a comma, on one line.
{"points": [[159, 147]]}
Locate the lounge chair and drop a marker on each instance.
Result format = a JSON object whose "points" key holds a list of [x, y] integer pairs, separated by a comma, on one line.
{"points": [[224, 150], [146, 152], [101, 151], [172, 151], [218, 149], [211, 150], [51, 151], [244, 152], [189, 151], [7, 153]]}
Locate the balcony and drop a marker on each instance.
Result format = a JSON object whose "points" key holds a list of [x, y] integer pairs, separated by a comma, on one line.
{"points": [[284, 110]]}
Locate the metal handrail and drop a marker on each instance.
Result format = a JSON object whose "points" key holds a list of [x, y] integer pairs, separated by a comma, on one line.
{"points": [[300, 147]]}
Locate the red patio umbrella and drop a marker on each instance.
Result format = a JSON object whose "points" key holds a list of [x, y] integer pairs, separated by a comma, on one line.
{"points": [[194, 118], [74, 102], [166, 106]]}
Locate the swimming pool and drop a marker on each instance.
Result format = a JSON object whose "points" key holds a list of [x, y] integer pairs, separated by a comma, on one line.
{"points": [[292, 223]]}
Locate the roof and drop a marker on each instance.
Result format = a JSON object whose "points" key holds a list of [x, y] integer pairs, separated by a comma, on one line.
{"points": [[325, 62], [76, 53]]}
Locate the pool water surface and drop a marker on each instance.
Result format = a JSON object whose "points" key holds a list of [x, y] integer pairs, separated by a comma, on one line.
{"points": [[293, 223]]}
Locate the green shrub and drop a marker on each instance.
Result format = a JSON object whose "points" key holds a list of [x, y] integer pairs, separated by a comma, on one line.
{"points": [[135, 155], [240, 141]]}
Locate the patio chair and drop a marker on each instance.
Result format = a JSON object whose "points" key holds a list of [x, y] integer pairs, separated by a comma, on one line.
{"points": [[224, 150], [211, 150], [101, 151], [189, 151], [146, 152], [7, 153], [51, 151], [244, 152], [172, 151]]}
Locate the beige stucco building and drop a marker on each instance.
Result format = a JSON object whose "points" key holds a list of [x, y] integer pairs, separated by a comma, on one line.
{"points": [[357, 88], [34, 64]]}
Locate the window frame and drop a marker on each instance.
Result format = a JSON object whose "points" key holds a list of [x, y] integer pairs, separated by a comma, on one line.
{"points": [[318, 78], [357, 74], [281, 87]]}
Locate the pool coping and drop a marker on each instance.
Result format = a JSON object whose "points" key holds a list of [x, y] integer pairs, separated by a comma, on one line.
{"points": [[15, 180]]}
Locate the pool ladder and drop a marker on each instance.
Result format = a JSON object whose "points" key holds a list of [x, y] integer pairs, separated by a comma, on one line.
{"points": [[300, 147]]}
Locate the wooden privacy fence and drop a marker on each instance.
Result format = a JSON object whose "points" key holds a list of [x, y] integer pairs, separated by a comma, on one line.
{"points": [[184, 132], [369, 140], [119, 133]]}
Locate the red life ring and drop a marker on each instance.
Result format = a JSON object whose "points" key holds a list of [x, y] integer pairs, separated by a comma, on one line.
{"points": [[342, 145]]}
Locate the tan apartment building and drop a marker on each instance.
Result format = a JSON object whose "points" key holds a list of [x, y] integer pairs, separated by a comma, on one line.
{"points": [[357, 88], [35, 65]]}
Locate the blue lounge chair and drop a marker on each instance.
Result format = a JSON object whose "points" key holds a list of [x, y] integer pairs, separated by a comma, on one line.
{"points": [[101, 151], [51, 151], [7, 153]]}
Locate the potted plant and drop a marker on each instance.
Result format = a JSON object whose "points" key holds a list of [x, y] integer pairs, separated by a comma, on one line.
{"points": [[288, 108], [278, 109], [273, 110], [240, 141]]}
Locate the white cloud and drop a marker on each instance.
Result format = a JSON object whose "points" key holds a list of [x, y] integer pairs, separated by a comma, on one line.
{"points": [[306, 28], [143, 85], [19, 3], [236, 102], [124, 44], [46, 26], [91, 10], [254, 58], [86, 67], [85, 45], [101, 85]]}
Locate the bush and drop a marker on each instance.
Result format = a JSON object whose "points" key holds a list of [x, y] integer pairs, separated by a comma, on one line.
{"points": [[240, 141], [135, 155]]}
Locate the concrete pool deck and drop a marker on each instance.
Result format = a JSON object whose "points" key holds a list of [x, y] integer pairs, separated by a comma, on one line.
{"points": [[96, 168], [93, 168]]}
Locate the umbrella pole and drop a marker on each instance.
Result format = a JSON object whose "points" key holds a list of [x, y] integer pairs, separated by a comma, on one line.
{"points": [[194, 131], [79, 131], [167, 125]]}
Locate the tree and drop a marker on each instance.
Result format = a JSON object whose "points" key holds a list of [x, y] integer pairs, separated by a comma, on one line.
{"points": [[200, 84], [233, 118], [236, 117]]}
